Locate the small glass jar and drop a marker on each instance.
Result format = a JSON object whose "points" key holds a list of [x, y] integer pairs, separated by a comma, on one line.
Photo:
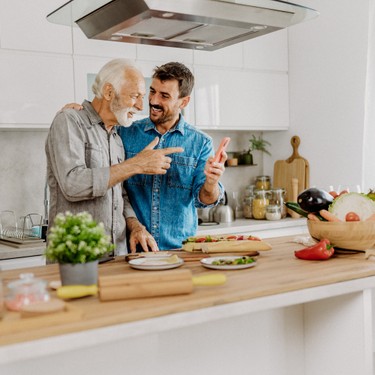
{"points": [[273, 212], [260, 202], [248, 208], [263, 182], [25, 291], [278, 198]]}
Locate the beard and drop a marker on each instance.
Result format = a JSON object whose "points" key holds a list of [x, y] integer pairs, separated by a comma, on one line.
{"points": [[121, 113], [163, 117]]}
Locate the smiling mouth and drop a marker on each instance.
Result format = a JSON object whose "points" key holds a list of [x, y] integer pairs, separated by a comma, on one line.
{"points": [[156, 109]]}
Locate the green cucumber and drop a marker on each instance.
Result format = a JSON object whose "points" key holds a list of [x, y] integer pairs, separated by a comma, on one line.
{"points": [[294, 206]]}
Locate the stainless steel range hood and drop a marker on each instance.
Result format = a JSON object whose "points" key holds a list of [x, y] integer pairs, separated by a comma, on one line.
{"points": [[196, 24]]}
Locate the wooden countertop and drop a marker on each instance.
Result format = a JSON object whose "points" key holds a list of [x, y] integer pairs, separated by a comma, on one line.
{"points": [[277, 271]]}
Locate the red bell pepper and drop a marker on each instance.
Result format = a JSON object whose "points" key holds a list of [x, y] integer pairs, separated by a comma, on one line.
{"points": [[320, 251]]}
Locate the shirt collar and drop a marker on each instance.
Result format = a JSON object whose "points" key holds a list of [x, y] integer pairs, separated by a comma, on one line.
{"points": [[180, 126], [92, 114]]}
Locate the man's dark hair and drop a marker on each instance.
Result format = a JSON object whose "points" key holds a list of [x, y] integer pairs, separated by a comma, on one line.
{"points": [[178, 71]]}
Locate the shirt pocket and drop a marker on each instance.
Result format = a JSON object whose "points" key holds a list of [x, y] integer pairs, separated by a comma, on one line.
{"points": [[138, 179], [94, 156], [181, 173]]}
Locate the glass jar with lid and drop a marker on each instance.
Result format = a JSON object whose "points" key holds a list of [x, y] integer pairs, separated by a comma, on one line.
{"points": [[25, 291], [273, 212], [263, 182], [278, 198], [260, 202]]}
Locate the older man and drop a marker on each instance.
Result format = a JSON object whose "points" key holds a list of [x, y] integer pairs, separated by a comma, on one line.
{"points": [[85, 156]]}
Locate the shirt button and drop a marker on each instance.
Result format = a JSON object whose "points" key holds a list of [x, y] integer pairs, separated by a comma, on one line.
{"points": [[155, 208]]}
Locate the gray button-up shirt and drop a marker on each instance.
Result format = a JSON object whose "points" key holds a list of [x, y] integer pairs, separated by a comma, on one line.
{"points": [[79, 153]]}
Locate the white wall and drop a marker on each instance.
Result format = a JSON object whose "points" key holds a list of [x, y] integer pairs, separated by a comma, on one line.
{"points": [[327, 82]]}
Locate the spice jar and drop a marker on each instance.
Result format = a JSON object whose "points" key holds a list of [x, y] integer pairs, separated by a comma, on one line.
{"points": [[260, 202], [273, 212], [263, 183], [278, 198]]}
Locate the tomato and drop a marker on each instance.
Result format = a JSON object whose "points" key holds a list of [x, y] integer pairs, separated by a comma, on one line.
{"points": [[253, 238], [352, 216], [201, 239], [240, 238], [231, 238], [320, 251]]}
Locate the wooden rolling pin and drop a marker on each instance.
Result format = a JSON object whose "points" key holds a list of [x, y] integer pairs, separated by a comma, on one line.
{"points": [[140, 285]]}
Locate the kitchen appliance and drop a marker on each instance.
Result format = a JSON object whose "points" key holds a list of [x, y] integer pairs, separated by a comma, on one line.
{"points": [[293, 173], [223, 213], [195, 24]]}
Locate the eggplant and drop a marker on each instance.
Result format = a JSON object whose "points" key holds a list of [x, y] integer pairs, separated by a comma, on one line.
{"points": [[313, 200]]}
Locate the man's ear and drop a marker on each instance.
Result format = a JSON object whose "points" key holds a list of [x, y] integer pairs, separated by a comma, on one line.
{"points": [[108, 91], [184, 102]]}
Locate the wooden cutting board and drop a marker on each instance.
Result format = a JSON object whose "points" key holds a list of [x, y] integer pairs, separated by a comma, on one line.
{"points": [[294, 167]]}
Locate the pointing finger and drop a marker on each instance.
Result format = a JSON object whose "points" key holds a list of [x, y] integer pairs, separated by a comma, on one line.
{"points": [[172, 150], [152, 144]]}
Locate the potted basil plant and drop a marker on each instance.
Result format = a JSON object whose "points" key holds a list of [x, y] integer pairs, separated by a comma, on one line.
{"points": [[76, 243]]}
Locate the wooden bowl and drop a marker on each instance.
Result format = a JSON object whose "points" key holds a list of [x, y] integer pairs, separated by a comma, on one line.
{"points": [[355, 235]]}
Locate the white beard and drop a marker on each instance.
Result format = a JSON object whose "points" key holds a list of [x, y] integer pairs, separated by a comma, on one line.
{"points": [[121, 113], [122, 116]]}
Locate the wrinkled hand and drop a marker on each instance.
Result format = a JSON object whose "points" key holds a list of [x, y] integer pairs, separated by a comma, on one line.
{"points": [[139, 235], [150, 161]]}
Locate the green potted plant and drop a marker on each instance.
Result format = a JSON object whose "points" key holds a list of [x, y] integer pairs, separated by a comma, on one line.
{"points": [[256, 144], [76, 243]]}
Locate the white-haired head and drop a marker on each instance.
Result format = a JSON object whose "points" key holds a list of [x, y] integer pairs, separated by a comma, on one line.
{"points": [[113, 73]]}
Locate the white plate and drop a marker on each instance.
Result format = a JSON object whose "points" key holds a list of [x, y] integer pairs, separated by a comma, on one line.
{"points": [[207, 262], [156, 254], [150, 264]]}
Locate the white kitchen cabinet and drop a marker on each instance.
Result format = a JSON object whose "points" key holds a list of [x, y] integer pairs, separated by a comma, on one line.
{"points": [[267, 52], [44, 83], [24, 26], [241, 99]]}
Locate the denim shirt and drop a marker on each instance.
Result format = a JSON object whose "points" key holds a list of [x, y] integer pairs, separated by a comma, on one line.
{"points": [[166, 204]]}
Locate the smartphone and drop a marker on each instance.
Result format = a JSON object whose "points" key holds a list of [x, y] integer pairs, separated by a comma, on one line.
{"points": [[223, 146]]}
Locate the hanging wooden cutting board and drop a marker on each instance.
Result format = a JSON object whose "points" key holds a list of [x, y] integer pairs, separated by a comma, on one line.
{"points": [[295, 167]]}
